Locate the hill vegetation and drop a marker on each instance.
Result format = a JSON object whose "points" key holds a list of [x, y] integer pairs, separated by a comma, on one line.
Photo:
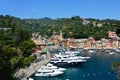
{"points": [[74, 27], [16, 45]]}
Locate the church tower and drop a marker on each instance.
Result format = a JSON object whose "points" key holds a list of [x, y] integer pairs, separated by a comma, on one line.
{"points": [[61, 35]]}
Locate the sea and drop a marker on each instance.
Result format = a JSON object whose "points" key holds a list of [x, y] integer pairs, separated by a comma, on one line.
{"points": [[98, 67]]}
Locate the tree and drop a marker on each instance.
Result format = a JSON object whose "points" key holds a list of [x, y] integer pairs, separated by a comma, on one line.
{"points": [[28, 60], [20, 35], [26, 47], [116, 67]]}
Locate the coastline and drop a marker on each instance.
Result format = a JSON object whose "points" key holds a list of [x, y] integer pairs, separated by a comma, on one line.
{"points": [[25, 73], [100, 61]]}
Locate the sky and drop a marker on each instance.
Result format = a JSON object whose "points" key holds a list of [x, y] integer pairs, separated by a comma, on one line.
{"points": [[99, 9]]}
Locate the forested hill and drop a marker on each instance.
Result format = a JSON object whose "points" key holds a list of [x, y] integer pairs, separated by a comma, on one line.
{"points": [[74, 27], [16, 45]]}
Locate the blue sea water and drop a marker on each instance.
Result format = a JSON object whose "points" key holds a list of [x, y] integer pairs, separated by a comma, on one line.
{"points": [[97, 68]]}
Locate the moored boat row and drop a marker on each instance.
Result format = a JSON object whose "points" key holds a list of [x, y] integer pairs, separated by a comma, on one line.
{"points": [[68, 59], [60, 60], [49, 70]]}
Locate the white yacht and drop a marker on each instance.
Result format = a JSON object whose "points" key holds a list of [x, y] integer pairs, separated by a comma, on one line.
{"points": [[117, 50], [72, 52], [43, 72], [30, 79], [51, 66], [91, 51], [83, 58], [66, 60], [111, 53]]}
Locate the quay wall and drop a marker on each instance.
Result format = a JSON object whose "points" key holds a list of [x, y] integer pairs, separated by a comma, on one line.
{"points": [[24, 74]]}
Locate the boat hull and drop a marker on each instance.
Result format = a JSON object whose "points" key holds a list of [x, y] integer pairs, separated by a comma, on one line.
{"points": [[66, 64], [48, 74]]}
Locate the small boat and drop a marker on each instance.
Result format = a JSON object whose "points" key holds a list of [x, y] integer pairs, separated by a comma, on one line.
{"points": [[43, 72], [117, 50], [111, 53], [91, 51]]}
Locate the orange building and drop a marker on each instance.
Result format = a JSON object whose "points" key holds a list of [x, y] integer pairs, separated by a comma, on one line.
{"points": [[109, 44], [69, 43]]}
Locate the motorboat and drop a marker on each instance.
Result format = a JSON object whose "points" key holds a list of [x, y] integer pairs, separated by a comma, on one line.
{"points": [[117, 50], [72, 52], [43, 72], [91, 51], [108, 50], [42, 69], [51, 66], [73, 55], [111, 53], [66, 60], [80, 57], [30, 79], [83, 58]]}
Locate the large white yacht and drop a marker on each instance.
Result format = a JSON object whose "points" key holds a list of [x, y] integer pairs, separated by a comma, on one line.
{"points": [[44, 72], [66, 60], [51, 66]]}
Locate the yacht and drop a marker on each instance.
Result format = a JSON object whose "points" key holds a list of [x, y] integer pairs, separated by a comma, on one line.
{"points": [[43, 72], [66, 60], [51, 66], [91, 51], [117, 50], [111, 53], [83, 58], [30, 79], [72, 52]]}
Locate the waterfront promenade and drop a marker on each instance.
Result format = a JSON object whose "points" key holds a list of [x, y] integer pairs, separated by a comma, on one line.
{"points": [[24, 74]]}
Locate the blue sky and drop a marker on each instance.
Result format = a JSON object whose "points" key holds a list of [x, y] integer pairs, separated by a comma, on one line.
{"points": [[99, 9]]}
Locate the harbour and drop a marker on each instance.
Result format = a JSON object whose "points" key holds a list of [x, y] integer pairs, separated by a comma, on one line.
{"points": [[98, 67], [59, 40]]}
